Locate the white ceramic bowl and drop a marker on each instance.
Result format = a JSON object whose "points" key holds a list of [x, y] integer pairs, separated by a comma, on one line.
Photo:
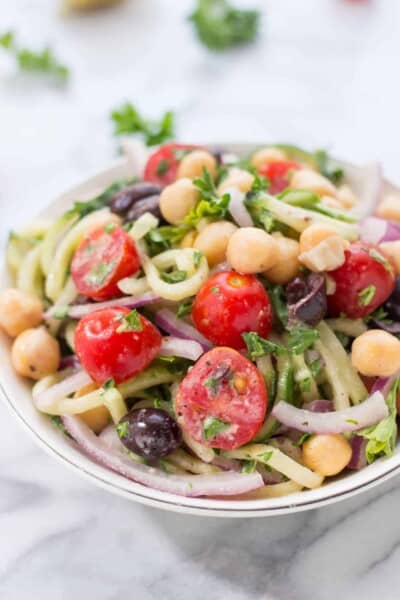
{"points": [[16, 393]]}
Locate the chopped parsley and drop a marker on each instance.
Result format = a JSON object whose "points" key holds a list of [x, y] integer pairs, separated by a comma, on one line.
{"points": [[248, 466], [305, 385], [209, 204], [42, 62], [213, 384], [61, 312], [100, 201], [174, 276], [352, 421], [109, 227], [99, 273], [59, 424], [258, 346], [185, 308], [219, 25], [265, 457], [128, 120], [164, 237], [315, 367], [122, 429], [302, 439], [301, 338], [366, 295], [197, 257], [162, 167], [130, 322], [215, 290], [212, 427]]}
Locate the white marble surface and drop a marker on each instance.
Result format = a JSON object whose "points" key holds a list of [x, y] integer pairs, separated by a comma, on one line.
{"points": [[325, 72]]}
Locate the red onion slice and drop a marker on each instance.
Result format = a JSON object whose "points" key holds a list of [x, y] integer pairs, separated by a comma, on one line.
{"points": [[61, 390], [80, 310], [166, 319], [215, 484], [174, 346], [358, 456], [369, 412], [319, 406], [237, 208], [375, 230]]}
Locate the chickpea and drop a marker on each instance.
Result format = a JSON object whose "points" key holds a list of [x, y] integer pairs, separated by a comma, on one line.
{"points": [[252, 250], [213, 241], [192, 164], [305, 179], [96, 418], [347, 197], [287, 265], [326, 454], [177, 200], [376, 353], [236, 178], [392, 249], [267, 155], [314, 235], [188, 240], [35, 353], [19, 311], [389, 208]]}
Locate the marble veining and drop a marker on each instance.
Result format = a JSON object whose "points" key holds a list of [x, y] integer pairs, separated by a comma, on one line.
{"points": [[322, 74]]}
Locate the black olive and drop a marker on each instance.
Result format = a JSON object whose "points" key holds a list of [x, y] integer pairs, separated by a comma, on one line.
{"points": [[123, 200], [306, 299], [392, 304], [149, 432], [150, 204]]}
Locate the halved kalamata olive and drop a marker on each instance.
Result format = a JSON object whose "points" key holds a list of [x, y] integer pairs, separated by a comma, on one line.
{"points": [[150, 204], [149, 432], [122, 201], [392, 304], [306, 299]]}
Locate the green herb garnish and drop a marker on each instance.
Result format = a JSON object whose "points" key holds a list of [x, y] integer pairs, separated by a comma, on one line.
{"points": [[248, 466], [185, 308], [61, 312], [122, 429], [301, 338], [41, 62], [258, 346], [265, 457], [128, 120], [366, 295], [99, 273], [174, 276], [302, 439], [130, 322], [212, 427], [163, 238], [60, 425], [209, 204], [220, 26], [381, 259]]}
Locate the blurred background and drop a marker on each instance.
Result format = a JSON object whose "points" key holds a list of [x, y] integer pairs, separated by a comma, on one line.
{"points": [[320, 73]]}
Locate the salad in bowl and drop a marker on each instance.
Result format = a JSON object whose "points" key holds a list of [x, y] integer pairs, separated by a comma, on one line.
{"points": [[218, 325]]}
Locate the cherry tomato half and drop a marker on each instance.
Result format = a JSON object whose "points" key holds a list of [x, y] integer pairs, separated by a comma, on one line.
{"points": [[363, 282], [230, 304], [222, 401], [111, 345], [104, 256], [162, 165], [278, 174]]}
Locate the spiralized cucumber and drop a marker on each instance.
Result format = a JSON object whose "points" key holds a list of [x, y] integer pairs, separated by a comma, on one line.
{"points": [[185, 461], [133, 286], [343, 367], [60, 264], [183, 289], [275, 490], [69, 334], [304, 379], [113, 400], [66, 297], [279, 461], [30, 275], [53, 235], [300, 218], [351, 327], [203, 452], [142, 226]]}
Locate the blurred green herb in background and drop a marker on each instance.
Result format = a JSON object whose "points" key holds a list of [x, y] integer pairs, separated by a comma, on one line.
{"points": [[128, 120], [43, 62], [220, 26]]}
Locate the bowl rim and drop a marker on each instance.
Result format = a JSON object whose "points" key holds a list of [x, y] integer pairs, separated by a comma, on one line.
{"points": [[68, 454]]}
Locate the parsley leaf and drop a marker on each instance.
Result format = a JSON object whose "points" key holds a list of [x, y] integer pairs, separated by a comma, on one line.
{"points": [[328, 167], [209, 204], [248, 466], [302, 439], [315, 367], [174, 276], [163, 238], [128, 120], [277, 296], [99, 273], [43, 61], [382, 436], [122, 429], [381, 259], [130, 322], [265, 457], [366, 295], [212, 427], [258, 346], [185, 308], [100, 201], [109, 384], [219, 26], [55, 418], [61, 311], [300, 339]]}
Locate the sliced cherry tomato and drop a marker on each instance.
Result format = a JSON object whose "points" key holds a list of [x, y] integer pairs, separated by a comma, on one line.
{"points": [[162, 165], [278, 174], [362, 283], [116, 343], [104, 256], [230, 304], [222, 401]]}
